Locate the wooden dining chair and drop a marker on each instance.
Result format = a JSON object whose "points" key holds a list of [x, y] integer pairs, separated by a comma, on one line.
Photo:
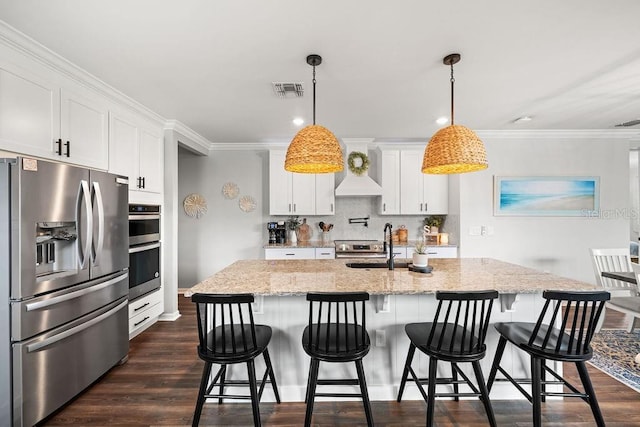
{"points": [[228, 335], [565, 336], [336, 333], [623, 294], [456, 335]]}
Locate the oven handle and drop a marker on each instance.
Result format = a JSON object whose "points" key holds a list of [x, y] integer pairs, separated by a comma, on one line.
{"points": [[76, 329], [139, 217], [360, 255], [56, 300], [144, 248]]}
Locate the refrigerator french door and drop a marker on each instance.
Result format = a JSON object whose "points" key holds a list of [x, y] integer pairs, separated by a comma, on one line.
{"points": [[64, 283]]}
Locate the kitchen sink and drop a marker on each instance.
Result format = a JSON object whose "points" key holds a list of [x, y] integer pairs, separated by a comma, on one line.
{"points": [[376, 265]]}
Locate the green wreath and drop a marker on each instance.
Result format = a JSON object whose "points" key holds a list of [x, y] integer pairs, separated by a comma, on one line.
{"points": [[358, 170]]}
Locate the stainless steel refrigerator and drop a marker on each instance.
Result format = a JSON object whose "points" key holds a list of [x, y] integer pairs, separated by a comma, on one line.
{"points": [[63, 283]]}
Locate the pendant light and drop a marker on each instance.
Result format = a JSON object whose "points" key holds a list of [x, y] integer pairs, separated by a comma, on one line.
{"points": [[314, 149], [455, 148]]}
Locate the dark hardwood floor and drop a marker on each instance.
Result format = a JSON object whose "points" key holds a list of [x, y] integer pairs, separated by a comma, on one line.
{"points": [[159, 384]]}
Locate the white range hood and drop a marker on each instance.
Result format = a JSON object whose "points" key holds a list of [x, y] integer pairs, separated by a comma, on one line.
{"points": [[352, 184]]}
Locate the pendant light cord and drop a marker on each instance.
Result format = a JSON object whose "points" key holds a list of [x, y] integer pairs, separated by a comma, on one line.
{"points": [[314, 95], [452, 82]]}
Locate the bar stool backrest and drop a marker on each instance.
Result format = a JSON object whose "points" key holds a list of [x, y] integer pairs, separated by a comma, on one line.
{"points": [[614, 260], [225, 324], [581, 313], [340, 322], [461, 322]]}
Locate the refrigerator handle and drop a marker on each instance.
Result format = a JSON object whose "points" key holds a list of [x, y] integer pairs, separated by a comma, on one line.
{"points": [[84, 195], [97, 249]]}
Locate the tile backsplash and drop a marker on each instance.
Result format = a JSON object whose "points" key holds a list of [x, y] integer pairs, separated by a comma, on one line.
{"points": [[361, 207]]}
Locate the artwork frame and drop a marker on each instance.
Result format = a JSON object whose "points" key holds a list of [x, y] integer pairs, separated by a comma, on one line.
{"points": [[576, 196]]}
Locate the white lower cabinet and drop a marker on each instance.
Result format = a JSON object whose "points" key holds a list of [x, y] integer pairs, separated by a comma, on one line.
{"points": [[436, 251], [290, 253], [144, 312], [299, 253], [325, 253]]}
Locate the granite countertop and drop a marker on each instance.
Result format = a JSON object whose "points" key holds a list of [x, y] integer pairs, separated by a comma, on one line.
{"points": [[297, 277]]}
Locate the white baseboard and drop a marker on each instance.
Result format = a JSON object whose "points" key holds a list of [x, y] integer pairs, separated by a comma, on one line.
{"points": [[169, 317]]}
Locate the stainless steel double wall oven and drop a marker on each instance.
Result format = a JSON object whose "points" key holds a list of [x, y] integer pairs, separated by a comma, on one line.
{"points": [[144, 249]]}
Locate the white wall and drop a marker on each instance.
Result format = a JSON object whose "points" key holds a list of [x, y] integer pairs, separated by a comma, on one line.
{"points": [[225, 233], [555, 244]]}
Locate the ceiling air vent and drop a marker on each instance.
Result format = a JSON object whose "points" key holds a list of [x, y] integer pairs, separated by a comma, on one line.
{"points": [[288, 90], [629, 123]]}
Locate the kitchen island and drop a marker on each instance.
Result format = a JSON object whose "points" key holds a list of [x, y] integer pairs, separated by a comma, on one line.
{"points": [[398, 297]]}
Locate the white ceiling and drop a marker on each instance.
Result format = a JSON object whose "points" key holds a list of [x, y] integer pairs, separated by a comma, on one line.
{"points": [[571, 64]]}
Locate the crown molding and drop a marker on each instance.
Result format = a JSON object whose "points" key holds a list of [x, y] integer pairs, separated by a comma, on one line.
{"points": [[545, 134], [195, 141], [29, 47], [230, 146], [629, 135]]}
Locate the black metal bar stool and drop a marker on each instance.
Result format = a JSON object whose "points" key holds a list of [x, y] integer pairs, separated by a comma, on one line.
{"points": [[456, 335], [339, 334], [568, 343], [228, 335]]}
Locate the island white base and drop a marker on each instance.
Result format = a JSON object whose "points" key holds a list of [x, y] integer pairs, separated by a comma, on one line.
{"points": [[288, 316]]}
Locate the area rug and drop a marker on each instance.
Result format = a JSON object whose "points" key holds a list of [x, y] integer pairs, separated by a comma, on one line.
{"points": [[614, 353]]}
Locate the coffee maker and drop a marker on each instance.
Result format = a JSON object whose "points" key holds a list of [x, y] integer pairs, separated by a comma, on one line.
{"points": [[277, 232]]}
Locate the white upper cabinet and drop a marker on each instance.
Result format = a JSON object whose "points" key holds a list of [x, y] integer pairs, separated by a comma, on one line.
{"points": [[421, 194], [406, 190], [52, 118], [390, 174], [325, 193], [151, 159], [29, 112], [136, 150], [84, 128], [298, 193]]}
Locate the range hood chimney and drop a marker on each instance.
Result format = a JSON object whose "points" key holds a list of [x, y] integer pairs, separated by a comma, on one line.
{"points": [[352, 184]]}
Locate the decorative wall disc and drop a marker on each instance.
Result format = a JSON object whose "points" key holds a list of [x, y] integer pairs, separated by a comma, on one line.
{"points": [[195, 205], [247, 203], [230, 190]]}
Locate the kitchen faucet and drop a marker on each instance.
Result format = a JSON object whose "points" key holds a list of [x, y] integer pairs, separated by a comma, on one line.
{"points": [[389, 227]]}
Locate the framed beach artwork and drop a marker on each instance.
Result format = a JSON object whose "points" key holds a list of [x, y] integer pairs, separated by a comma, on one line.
{"points": [[547, 195]]}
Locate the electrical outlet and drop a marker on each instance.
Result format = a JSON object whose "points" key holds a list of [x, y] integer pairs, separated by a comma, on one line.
{"points": [[381, 338]]}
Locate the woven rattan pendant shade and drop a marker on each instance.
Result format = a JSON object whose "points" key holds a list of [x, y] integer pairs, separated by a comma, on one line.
{"points": [[455, 148], [315, 148]]}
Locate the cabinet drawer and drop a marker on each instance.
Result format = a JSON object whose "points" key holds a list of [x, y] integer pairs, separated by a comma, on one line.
{"points": [[144, 319], [437, 252], [290, 253], [398, 252], [325, 253], [143, 303], [443, 252]]}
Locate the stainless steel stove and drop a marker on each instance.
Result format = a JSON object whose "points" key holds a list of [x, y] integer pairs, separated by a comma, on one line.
{"points": [[360, 249]]}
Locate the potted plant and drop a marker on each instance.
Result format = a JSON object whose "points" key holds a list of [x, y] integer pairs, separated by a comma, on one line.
{"points": [[434, 222], [293, 223], [420, 257]]}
